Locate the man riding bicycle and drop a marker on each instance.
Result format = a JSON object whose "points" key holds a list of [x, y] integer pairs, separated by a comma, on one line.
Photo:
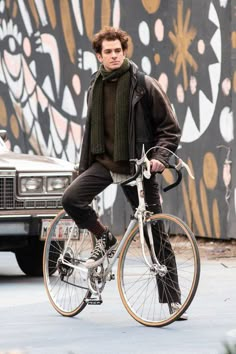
{"points": [[123, 115]]}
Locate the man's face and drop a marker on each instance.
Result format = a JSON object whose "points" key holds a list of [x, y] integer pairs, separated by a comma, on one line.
{"points": [[112, 55]]}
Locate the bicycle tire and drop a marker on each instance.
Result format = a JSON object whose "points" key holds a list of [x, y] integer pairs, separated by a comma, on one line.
{"points": [[66, 287], [146, 295]]}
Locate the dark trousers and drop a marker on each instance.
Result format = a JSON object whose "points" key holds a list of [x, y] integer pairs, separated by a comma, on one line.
{"points": [[79, 195]]}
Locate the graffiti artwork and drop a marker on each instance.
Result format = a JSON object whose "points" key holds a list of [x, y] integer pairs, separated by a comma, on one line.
{"points": [[46, 61]]}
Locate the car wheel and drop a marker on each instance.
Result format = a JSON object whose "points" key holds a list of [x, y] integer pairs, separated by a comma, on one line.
{"points": [[30, 258]]}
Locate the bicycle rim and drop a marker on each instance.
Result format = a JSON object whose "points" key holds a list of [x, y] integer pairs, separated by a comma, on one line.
{"points": [[145, 294], [66, 286]]}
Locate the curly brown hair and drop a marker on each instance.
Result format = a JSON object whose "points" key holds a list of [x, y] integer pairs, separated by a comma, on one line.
{"points": [[110, 34]]}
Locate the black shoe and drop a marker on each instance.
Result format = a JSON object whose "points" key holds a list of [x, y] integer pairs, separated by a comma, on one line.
{"points": [[104, 245]]}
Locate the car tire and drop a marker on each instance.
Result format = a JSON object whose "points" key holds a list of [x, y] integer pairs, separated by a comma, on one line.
{"points": [[30, 258]]}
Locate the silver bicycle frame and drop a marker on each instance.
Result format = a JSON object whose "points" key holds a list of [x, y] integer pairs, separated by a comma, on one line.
{"points": [[139, 217]]}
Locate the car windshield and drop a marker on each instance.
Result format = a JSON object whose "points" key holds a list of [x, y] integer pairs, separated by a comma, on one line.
{"points": [[3, 147]]}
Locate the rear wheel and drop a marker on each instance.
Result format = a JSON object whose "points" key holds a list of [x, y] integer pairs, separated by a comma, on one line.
{"points": [[65, 283], [148, 294]]}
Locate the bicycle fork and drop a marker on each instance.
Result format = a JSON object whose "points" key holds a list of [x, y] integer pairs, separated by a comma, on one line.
{"points": [[141, 214]]}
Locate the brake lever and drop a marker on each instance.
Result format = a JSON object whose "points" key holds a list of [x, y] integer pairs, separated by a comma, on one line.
{"points": [[182, 164]]}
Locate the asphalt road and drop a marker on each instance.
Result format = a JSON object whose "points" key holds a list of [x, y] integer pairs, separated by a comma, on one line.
{"points": [[29, 324]]}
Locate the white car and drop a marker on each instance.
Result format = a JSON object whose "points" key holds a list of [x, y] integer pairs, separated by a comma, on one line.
{"points": [[30, 196]]}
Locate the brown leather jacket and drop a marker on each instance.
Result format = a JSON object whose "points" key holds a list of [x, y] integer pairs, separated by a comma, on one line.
{"points": [[152, 122]]}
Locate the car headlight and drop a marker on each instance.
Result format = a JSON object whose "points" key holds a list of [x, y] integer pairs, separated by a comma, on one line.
{"points": [[57, 184], [31, 185]]}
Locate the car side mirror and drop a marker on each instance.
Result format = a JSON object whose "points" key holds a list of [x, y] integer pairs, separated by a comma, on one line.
{"points": [[3, 134]]}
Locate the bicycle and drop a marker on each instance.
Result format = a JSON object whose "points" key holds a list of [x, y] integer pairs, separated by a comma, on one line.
{"points": [[146, 277]]}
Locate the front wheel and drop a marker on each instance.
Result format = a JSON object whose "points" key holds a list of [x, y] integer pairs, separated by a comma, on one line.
{"points": [[66, 249], [148, 294]]}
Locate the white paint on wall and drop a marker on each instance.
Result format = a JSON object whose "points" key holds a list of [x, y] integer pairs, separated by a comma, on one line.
{"points": [[144, 33], [227, 124]]}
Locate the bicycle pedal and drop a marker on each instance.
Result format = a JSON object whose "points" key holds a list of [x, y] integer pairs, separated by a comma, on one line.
{"points": [[93, 301]]}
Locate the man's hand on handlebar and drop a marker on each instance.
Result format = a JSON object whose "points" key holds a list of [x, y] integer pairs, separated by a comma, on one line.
{"points": [[156, 166]]}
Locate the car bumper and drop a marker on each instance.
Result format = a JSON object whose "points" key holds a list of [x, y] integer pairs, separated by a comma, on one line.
{"points": [[23, 225]]}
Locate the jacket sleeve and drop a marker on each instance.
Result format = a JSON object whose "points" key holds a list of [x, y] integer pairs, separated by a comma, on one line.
{"points": [[165, 127], [85, 153]]}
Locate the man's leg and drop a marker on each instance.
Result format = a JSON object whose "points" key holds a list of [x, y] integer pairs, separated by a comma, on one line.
{"points": [[168, 286], [76, 201], [79, 195]]}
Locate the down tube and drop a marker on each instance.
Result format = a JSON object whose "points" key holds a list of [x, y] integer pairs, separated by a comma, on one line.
{"points": [[132, 224]]}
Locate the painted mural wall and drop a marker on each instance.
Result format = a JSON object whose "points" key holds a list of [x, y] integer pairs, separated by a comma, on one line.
{"points": [[46, 61]]}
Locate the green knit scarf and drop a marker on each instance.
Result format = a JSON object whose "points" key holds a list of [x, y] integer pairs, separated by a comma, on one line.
{"points": [[121, 148]]}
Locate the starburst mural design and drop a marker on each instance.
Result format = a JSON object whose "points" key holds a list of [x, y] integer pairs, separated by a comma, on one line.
{"points": [[182, 39]]}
